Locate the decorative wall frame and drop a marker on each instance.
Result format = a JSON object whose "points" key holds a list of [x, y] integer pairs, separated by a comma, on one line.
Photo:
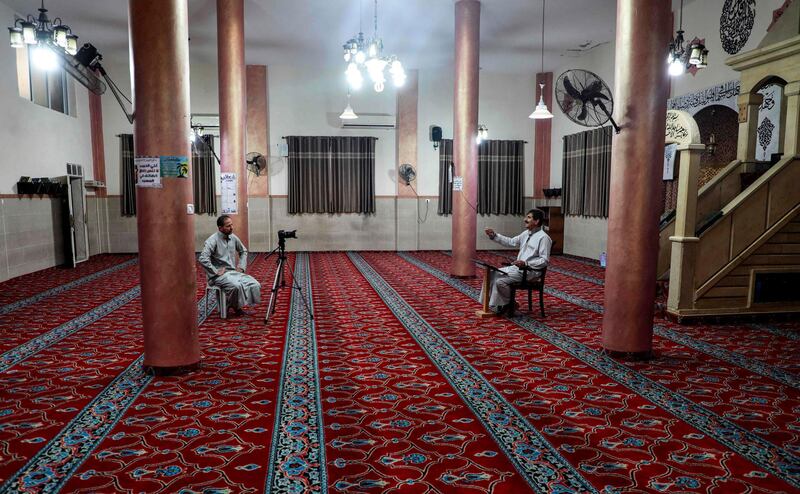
{"points": [[736, 24]]}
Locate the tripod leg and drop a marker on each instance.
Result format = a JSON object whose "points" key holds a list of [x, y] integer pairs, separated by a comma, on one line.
{"points": [[273, 296], [297, 286]]}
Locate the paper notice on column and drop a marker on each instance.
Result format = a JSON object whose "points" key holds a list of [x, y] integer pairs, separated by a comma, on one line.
{"points": [[670, 150], [458, 183], [228, 190], [148, 171]]}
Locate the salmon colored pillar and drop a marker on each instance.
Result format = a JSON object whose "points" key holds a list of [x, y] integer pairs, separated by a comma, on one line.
{"points": [[232, 99], [543, 128], [465, 129], [640, 105], [407, 124], [257, 133], [160, 68], [98, 149]]}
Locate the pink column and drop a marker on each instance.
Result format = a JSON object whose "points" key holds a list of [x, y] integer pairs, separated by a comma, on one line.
{"points": [[232, 98], [407, 123], [543, 129], [643, 32], [465, 129], [160, 66], [257, 125], [98, 149]]}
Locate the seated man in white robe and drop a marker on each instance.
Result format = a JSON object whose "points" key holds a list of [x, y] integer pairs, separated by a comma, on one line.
{"points": [[219, 260], [534, 251]]}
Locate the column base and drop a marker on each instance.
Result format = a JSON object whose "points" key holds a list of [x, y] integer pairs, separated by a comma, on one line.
{"points": [[154, 370], [636, 356], [464, 277]]}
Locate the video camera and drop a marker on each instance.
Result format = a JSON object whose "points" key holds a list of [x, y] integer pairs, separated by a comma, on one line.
{"points": [[282, 234]]}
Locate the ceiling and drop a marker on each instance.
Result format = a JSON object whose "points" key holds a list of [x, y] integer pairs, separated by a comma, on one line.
{"points": [[311, 32]]}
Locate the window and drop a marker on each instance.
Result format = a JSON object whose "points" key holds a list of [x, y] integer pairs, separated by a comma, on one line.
{"points": [[331, 174], [501, 167], [45, 88], [587, 172]]}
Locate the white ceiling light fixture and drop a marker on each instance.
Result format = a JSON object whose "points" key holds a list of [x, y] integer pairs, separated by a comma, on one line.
{"points": [[541, 111], [48, 35], [348, 113], [362, 54]]}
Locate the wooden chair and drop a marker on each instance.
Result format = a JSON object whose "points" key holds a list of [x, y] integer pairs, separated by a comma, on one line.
{"points": [[530, 285]]}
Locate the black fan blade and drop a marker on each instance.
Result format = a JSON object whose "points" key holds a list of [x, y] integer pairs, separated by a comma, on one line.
{"points": [[595, 96], [571, 89], [582, 114], [594, 87]]}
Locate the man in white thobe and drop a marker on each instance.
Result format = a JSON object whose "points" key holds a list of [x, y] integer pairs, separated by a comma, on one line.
{"points": [[534, 251], [219, 260]]}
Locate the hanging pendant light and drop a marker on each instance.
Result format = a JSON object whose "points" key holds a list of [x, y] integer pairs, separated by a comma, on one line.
{"points": [[541, 111], [348, 113]]}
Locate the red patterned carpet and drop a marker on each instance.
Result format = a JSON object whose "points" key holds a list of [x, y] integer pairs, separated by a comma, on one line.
{"points": [[394, 386]]}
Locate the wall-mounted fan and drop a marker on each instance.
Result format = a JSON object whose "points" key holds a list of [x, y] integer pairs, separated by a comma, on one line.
{"points": [[585, 98], [256, 163], [407, 173]]}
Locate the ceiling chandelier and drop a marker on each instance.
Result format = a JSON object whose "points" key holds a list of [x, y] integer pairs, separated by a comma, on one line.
{"points": [[46, 35], [681, 58], [360, 53]]}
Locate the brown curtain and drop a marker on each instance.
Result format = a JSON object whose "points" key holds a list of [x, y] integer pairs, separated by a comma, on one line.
{"points": [[203, 177], [587, 172], [127, 175], [598, 172], [501, 166], [331, 174], [445, 176]]}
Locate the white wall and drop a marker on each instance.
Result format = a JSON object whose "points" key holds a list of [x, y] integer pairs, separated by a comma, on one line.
{"points": [[37, 141]]}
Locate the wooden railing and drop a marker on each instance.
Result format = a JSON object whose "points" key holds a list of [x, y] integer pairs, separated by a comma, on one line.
{"points": [[747, 222], [711, 198]]}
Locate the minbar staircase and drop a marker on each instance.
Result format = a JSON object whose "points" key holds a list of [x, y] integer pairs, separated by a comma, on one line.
{"points": [[746, 257]]}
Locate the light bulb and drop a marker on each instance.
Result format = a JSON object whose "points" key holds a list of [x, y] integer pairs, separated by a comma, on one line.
{"points": [[676, 68], [360, 57], [378, 87], [44, 58]]}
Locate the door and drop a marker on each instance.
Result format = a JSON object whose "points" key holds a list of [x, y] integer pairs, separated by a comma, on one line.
{"points": [[78, 230]]}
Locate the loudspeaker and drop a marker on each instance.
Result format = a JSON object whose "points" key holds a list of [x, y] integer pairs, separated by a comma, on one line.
{"points": [[435, 135]]}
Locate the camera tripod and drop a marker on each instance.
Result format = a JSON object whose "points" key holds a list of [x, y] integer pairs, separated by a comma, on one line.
{"points": [[280, 281]]}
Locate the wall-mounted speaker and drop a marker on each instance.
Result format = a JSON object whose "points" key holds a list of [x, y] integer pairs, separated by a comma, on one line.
{"points": [[435, 135]]}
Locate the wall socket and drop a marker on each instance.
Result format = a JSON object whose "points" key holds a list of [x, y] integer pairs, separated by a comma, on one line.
{"points": [[427, 201]]}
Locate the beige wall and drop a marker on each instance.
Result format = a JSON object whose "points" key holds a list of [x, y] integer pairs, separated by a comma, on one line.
{"points": [[31, 235]]}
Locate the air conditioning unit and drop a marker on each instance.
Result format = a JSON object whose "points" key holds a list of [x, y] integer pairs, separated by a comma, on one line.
{"points": [[373, 121]]}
